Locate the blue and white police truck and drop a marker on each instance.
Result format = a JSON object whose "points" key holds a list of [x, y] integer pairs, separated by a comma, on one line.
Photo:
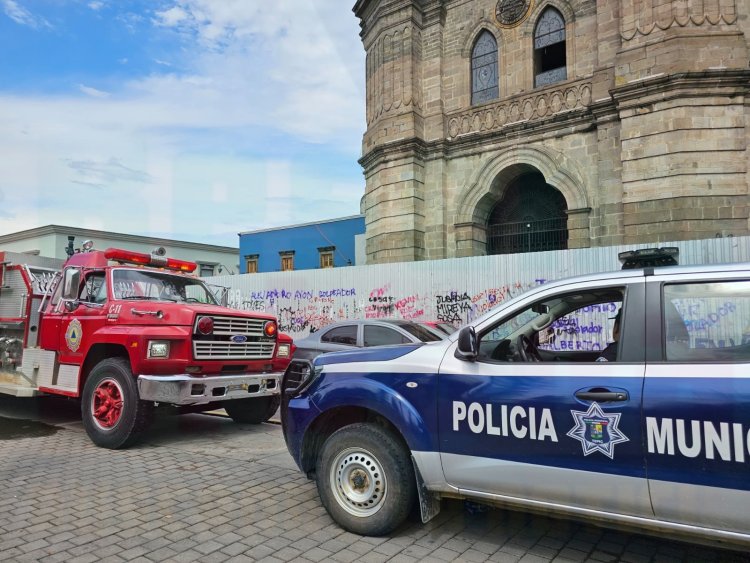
{"points": [[523, 408]]}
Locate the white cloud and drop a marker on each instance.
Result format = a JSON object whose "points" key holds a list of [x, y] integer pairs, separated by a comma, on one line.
{"points": [[172, 17], [22, 16], [93, 92], [164, 153], [96, 5]]}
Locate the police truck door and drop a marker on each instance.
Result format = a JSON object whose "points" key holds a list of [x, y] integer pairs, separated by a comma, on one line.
{"points": [[536, 416], [697, 399]]}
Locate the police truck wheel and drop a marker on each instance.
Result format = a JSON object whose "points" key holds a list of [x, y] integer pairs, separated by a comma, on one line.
{"points": [[113, 415], [250, 411], [365, 479]]}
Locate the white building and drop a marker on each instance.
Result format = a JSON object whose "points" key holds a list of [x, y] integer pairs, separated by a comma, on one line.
{"points": [[51, 241]]}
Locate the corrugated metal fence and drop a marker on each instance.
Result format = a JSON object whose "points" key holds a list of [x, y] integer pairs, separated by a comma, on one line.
{"points": [[454, 290]]}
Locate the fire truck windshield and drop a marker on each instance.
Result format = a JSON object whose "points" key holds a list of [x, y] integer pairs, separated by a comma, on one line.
{"points": [[159, 286]]}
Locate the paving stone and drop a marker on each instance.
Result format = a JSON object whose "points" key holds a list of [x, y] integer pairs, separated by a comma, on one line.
{"points": [[168, 513]]}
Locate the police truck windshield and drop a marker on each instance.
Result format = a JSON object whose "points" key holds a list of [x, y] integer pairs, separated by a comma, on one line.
{"points": [[159, 286]]}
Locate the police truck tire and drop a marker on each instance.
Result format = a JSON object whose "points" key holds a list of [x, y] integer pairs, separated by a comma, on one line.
{"points": [[250, 411], [365, 479], [113, 415]]}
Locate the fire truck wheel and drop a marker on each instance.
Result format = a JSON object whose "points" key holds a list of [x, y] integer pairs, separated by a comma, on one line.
{"points": [[250, 411], [365, 479], [112, 414]]}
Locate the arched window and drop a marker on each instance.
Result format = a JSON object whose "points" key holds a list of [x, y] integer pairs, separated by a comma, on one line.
{"points": [[549, 48], [484, 69]]}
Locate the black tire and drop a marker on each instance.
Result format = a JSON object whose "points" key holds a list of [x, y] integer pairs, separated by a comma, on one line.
{"points": [[111, 378], [365, 479], [250, 411], [273, 406]]}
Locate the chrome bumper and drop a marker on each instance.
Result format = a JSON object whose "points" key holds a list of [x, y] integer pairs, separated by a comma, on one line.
{"points": [[185, 389]]}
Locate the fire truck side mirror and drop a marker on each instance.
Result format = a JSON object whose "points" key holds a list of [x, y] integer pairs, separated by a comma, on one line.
{"points": [[72, 305], [71, 283]]}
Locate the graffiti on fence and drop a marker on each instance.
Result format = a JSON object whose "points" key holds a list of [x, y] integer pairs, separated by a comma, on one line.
{"points": [[300, 311]]}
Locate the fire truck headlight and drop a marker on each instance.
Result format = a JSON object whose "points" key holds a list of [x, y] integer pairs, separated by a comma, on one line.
{"points": [[283, 351], [158, 348]]}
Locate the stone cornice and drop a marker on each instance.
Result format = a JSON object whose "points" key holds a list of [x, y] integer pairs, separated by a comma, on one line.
{"points": [[670, 86], [393, 151], [575, 121], [564, 124]]}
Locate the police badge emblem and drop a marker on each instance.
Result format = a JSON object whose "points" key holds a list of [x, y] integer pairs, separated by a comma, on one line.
{"points": [[597, 431]]}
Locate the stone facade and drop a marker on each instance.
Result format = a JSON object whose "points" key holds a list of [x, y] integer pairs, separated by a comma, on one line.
{"points": [[646, 136]]}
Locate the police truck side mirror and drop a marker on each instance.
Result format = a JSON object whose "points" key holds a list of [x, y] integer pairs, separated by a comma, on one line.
{"points": [[468, 348]]}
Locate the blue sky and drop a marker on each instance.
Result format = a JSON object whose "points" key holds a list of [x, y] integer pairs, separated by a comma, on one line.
{"points": [[188, 119]]}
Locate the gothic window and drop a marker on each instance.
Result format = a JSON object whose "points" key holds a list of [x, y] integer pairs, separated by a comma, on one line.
{"points": [[549, 49], [484, 81]]}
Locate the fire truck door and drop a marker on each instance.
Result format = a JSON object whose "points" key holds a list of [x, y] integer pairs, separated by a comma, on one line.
{"points": [[82, 314]]}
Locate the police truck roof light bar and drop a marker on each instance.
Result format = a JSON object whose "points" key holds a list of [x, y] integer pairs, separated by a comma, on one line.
{"points": [[119, 255], [649, 257]]}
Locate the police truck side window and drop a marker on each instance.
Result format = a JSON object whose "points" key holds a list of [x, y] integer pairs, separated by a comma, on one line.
{"points": [[707, 322], [570, 327]]}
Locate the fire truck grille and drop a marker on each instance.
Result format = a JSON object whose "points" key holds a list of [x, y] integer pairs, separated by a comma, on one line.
{"points": [[229, 326], [231, 351], [233, 338]]}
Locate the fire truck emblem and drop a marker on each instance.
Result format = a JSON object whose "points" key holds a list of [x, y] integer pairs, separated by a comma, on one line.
{"points": [[597, 431], [73, 335]]}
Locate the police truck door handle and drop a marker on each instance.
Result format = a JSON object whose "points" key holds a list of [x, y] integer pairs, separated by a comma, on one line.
{"points": [[602, 396]]}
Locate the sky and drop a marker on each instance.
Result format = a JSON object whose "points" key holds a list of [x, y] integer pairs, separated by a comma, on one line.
{"points": [[185, 119]]}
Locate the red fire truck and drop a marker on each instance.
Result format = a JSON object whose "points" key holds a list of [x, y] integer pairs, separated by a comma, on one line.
{"points": [[127, 331]]}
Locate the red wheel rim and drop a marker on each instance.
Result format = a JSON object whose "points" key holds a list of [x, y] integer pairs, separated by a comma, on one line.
{"points": [[106, 404]]}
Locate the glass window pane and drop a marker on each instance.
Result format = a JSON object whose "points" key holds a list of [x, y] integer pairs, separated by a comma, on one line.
{"points": [[484, 78], [341, 335], [382, 336], [707, 322]]}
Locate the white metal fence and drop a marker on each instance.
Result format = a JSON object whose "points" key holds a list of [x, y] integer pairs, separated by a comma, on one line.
{"points": [[454, 290]]}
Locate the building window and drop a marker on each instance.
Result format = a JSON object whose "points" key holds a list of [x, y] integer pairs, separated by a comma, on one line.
{"points": [[206, 269], [287, 260], [484, 85], [251, 263], [326, 256], [549, 49]]}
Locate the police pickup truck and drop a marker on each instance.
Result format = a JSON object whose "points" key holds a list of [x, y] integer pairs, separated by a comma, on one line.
{"points": [[521, 408]]}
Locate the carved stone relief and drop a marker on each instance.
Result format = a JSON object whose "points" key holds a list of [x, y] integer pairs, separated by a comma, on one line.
{"points": [[643, 17], [391, 77], [494, 117]]}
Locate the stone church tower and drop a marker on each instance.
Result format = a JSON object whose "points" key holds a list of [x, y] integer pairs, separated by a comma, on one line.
{"points": [[522, 125]]}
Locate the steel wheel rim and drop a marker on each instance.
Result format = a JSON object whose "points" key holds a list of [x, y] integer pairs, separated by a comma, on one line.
{"points": [[358, 482], [106, 404]]}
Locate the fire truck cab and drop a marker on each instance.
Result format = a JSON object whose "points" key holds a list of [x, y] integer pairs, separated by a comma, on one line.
{"points": [[127, 331]]}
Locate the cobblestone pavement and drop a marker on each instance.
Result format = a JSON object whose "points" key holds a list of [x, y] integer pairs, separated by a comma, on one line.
{"points": [[202, 488]]}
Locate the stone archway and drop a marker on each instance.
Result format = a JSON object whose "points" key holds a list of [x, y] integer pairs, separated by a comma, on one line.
{"points": [[530, 217], [488, 184]]}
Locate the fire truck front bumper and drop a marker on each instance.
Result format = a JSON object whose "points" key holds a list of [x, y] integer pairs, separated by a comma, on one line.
{"points": [[185, 389]]}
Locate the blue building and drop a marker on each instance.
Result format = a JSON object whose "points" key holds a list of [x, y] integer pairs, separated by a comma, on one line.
{"points": [[323, 244]]}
